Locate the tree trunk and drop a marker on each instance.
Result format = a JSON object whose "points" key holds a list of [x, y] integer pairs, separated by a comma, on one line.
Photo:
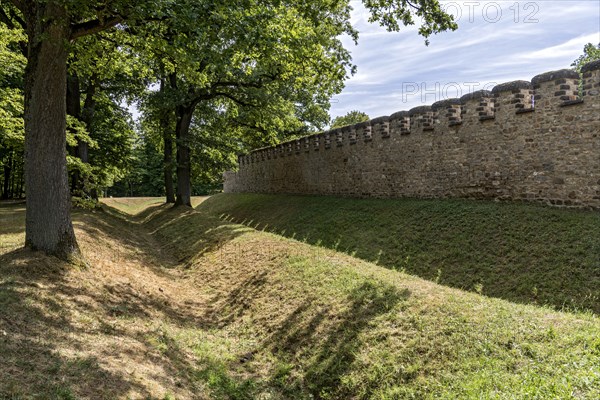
{"points": [[184, 170], [168, 163], [168, 152], [48, 224]]}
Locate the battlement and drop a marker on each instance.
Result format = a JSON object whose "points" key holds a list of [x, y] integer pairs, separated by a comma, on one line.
{"points": [[534, 140]]}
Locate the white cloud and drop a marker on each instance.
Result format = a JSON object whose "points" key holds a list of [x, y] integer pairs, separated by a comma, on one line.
{"points": [[479, 51]]}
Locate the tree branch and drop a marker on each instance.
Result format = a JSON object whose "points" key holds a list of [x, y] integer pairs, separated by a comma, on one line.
{"points": [[6, 19], [255, 127], [259, 84], [234, 99], [19, 4], [256, 85], [19, 20], [11, 25], [94, 26]]}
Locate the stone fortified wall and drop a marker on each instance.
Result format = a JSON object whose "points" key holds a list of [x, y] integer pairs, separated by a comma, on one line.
{"points": [[536, 141]]}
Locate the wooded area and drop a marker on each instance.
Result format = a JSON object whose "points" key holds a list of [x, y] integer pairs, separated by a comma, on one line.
{"points": [[210, 80]]}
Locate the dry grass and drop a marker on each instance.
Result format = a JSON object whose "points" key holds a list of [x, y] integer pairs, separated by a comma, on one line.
{"points": [[180, 304], [68, 333]]}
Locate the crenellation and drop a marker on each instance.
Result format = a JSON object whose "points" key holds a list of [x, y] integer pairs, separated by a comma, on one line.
{"points": [[421, 117], [400, 123], [449, 112], [498, 148], [555, 88], [306, 144], [316, 142], [339, 137], [591, 79], [513, 97], [327, 140], [349, 132], [381, 126], [478, 105]]}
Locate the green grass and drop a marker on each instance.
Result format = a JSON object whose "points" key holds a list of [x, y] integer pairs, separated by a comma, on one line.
{"points": [[520, 252], [226, 311], [321, 324]]}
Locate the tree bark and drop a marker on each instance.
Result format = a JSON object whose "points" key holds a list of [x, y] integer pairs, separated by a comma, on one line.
{"points": [[168, 164], [184, 170], [168, 153], [48, 224]]}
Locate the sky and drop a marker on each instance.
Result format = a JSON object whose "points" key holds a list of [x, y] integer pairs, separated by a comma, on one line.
{"points": [[496, 42]]}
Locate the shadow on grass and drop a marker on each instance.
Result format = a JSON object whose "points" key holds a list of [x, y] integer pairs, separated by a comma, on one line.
{"points": [[519, 252], [326, 336], [333, 341], [34, 327], [47, 319], [188, 233], [12, 217]]}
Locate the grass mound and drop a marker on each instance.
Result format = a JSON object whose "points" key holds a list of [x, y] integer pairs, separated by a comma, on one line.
{"points": [[179, 303], [520, 252]]}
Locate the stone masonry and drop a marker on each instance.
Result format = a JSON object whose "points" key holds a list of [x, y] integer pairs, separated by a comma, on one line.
{"points": [[535, 141]]}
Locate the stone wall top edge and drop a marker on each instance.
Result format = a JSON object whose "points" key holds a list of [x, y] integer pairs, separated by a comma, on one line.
{"points": [[591, 66], [479, 94], [379, 120], [553, 75], [419, 110], [512, 85], [503, 87], [399, 114], [445, 103]]}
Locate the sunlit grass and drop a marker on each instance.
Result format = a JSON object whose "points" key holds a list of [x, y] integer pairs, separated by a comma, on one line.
{"points": [[517, 251], [181, 304]]}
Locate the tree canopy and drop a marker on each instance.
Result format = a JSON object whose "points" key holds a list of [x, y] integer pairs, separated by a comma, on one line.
{"points": [[211, 78], [590, 53], [351, 118]]}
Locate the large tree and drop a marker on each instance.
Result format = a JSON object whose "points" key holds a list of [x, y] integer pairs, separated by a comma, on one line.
{"points": [[52, 24], [263, 56]]}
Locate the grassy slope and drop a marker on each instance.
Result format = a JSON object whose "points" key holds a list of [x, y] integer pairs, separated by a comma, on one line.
{"points": [[185, 303], [520, 252]]}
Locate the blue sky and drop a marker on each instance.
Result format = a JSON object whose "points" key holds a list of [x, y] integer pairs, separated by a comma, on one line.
{"points": [[496, 42]]}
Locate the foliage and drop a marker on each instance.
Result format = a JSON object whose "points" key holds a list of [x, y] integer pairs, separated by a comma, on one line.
{"points": [[112, 129], [12, 65], [392, 14], [353, 117], [590, 53], [145, 172], [263, 71]]}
